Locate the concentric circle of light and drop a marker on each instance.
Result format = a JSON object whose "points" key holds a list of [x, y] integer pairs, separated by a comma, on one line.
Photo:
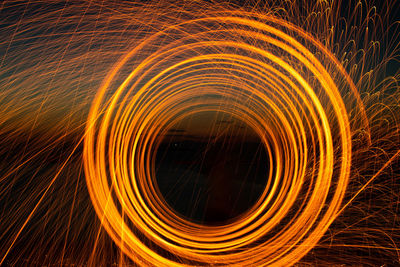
{"points": [[261, 70]]}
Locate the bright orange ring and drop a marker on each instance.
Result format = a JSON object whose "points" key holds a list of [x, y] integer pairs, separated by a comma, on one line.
{"points": [[254, 71]]}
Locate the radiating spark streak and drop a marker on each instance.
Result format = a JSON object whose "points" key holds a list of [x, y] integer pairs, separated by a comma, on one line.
{"points": [[40, 200], [387, 164]]}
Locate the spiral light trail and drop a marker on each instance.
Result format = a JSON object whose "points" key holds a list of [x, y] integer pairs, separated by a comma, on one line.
{"points": [[252, 70], [91, 91]]}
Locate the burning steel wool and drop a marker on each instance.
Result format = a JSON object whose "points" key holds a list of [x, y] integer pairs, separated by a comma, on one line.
{"points": [[198, 133]]}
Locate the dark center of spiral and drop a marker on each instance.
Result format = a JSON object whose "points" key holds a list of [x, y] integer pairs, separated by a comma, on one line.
{"points": [[211, 167]]}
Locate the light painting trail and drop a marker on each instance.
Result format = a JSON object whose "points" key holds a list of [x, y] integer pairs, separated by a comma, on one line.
{"points": [[93, 92], [259, 79]]}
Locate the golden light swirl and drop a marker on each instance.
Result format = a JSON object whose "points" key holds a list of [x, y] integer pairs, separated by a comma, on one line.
{"points": [[264, 71]]}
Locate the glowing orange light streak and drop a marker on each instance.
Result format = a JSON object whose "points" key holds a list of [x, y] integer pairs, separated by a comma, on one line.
{"points": [[159, 92]]}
